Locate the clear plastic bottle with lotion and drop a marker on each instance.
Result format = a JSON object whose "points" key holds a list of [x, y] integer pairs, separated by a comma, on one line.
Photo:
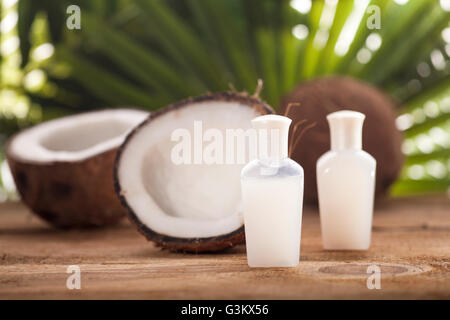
{"points": [[272, 195], [346, 185]]}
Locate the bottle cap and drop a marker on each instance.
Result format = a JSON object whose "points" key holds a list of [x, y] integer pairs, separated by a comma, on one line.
{"points": [[346, 130], [273, 135]]}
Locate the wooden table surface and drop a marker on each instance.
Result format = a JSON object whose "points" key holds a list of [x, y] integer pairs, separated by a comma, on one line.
{"points": [[410, 243]]}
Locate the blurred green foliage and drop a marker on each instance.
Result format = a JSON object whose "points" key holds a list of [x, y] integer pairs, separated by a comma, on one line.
{"points": [[149, 53]]}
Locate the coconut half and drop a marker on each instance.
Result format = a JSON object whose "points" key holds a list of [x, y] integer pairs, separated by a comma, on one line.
{"points": [[185, 207], [63, 168]]}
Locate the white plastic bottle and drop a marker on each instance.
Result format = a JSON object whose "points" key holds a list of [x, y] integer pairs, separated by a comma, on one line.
{"points": [[272, 195], [346, 185]]}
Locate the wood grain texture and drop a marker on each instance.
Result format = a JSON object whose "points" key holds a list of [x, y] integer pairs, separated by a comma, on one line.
{"points": [[410, 243]]}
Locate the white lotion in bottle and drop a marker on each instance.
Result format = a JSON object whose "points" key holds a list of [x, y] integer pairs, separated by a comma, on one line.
{"points": [[346, 185], [272, 195]]}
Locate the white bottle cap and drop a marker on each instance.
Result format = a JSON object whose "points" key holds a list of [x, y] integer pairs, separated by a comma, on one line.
{"points": [[346, 129], [273, 135]]}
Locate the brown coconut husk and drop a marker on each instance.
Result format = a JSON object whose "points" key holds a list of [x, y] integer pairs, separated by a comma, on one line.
{"points": [[70, 194], [381, 138]]}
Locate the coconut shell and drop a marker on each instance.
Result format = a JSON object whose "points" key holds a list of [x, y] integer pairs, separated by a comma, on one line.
{"points": [[381, 138], [193, 245], [70, 194], [189, 245]]}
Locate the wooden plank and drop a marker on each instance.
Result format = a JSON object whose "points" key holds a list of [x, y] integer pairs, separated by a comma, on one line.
{"points": [[410, 243]]}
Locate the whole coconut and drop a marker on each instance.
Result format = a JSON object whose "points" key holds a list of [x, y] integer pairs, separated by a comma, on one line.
{"points": [[381, 139]]}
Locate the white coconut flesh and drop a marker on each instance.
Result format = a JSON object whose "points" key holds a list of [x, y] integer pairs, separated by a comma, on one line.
{"points": [[75, 138], [183, 200]]}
